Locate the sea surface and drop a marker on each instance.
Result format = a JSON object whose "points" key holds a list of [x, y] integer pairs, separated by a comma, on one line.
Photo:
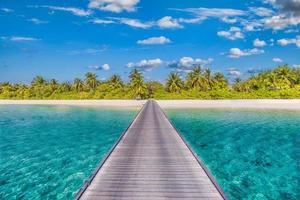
{"points": [[46, 152], [253, 154]]}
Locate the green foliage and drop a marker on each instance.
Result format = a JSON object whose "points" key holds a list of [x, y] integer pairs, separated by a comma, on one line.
{"points": [[280, 83], [174, 83], [138, 87]]}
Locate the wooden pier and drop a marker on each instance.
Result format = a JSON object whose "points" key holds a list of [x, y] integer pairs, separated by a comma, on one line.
{"points": [[151, 161]]}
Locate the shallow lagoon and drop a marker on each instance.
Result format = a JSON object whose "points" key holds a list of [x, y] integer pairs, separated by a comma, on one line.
{"points": [[46, 152], [253, 154]]}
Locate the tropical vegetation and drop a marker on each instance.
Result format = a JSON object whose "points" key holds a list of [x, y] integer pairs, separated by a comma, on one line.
{"points": [[282, 82]]}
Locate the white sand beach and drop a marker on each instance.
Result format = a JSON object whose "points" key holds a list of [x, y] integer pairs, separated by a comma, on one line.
{"points": [[289, 104], [232, 104]]}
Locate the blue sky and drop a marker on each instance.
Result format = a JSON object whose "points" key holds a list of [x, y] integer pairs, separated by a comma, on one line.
{"points": [[66, 39]]}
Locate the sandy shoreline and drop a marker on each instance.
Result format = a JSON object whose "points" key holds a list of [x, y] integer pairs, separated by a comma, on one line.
{"points": [[232, 104]]}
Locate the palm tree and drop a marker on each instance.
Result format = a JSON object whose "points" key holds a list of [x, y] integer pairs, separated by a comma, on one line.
{"points": [[195, 80], [38, 81], [91, 81], [115, 82], [38, 87], [78, 85], [174, 83], [53, 84], [219, 80], [65, 87], [237, 86], [137, 84], [208, 78]]}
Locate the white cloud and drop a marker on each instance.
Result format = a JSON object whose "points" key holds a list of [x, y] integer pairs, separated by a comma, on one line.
{"points": [[261, 11], [254, 70], [192, 20], [146, 65], [19, 39], [186, 64], [233, 33], [7, 10], [237, 53], [278, 60], [214, 12], [234, 72], [168, 22], [102, 21], [229, 20], [259, 43], [73, 10], [252, 25], [133, 22], [104, 67], [154, 40], [288, 14], [116, 6], [284, 42], [37, 21], [91, 51], [282, 21]]}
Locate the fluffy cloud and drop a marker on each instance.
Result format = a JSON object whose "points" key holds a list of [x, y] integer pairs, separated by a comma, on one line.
{"points": [[261, 11], [186, 64], [168, 22], [289, 14], [104, 67], [116, 6], [7, 10], [233, 33], [20, 39], [284, 42], [145, 65], [229, 20], [154, 40], [233, 72], [102, 21], [288, 5], [73, 10], [192, 20], [214, 12], [279, 22], [237, 53], [254, 70], [134, 23], [278, 60], [91, 51], [37, 21], [259, 43]]}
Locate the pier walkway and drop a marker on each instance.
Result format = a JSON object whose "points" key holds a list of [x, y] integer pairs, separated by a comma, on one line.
{"points": [[151, 161]]}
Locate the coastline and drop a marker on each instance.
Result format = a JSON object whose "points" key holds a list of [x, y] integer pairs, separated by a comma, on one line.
{"points": [[290, 104]]}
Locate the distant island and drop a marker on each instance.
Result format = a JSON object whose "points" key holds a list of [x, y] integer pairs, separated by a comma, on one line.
{"points": [[282, 82]]}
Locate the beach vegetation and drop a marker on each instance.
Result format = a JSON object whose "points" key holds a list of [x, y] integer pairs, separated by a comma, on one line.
{"points": [[282, 82]]}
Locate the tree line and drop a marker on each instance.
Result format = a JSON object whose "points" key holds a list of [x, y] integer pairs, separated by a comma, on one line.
{"points": [[281, 82]]}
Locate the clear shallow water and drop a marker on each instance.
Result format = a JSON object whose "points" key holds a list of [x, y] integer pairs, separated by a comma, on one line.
{"points": [[46, 152], [252, 154]]}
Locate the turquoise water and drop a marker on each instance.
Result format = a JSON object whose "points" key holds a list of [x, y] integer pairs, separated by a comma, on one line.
{"points": [[252, 154], [47, 152]]}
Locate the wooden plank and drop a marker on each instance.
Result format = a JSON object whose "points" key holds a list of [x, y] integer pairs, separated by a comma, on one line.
{"points": [[151, 161]]}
